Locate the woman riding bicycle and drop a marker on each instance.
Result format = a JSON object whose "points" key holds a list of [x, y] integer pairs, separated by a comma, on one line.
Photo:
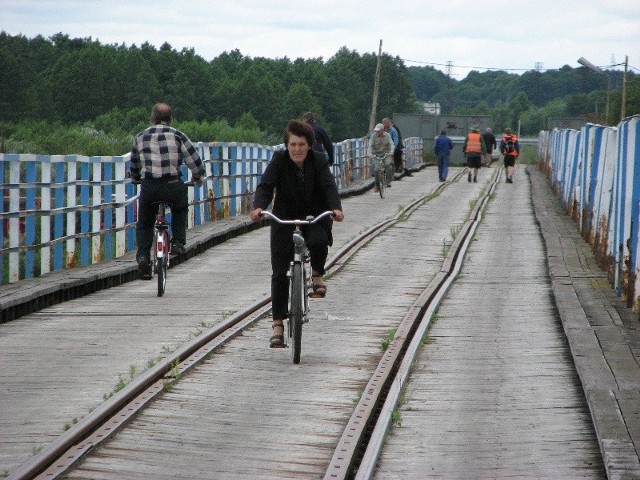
{"points": [[303, 185]]}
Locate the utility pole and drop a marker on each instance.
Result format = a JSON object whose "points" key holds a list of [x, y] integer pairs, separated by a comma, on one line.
{"points": [[449, 78], [376, 86], [623, 106]]}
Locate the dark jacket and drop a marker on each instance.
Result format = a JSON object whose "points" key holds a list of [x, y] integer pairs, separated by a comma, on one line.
{"points": [[489, 141], [297, 196], [323, 143]]}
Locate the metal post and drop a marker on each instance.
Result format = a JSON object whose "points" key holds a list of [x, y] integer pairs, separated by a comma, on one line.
{"points": [[586, 63]]}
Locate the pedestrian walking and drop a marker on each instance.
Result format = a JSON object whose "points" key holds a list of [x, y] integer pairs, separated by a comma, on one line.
{"points": [[510, 149], [474, 148], [322, 144], [491, 144], [442, 148]]}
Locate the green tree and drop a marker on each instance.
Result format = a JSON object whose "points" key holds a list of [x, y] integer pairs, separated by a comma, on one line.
{"points": [[298, 100]]}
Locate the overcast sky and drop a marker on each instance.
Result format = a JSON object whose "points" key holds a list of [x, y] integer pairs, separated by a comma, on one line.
{"points": [[491, 34]]}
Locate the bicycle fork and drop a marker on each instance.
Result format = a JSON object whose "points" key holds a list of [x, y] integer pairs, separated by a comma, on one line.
{"points": [[301, 257], [161, 239]]}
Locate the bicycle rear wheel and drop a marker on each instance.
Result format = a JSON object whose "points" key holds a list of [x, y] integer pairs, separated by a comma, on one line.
{"points": [[297, 311], [162, 262]]}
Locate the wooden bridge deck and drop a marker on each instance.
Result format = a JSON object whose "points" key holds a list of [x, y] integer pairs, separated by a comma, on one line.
{"points": [[252, 414]]}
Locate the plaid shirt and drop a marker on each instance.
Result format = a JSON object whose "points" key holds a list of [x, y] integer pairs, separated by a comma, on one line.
{"points": [[160, 150]]}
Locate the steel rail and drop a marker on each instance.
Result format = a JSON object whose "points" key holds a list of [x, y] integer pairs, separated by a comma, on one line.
{"points": [[358, 449]]}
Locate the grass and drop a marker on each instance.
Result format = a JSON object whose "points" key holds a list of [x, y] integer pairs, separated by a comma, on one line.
{"points": [[173, 376], [396, 418], [384, 345]]}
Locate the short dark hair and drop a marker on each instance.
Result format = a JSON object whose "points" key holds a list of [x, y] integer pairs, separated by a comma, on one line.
{"points": [[161, 113], [309, 117], [443, 132], [299, 129]]}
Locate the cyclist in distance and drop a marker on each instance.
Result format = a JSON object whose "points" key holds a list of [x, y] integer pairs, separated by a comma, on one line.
{"points": [[302, 183], [380, 143], [156, 157]]}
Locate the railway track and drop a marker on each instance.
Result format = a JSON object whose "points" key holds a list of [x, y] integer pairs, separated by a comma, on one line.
{"points": [[359, 445]]}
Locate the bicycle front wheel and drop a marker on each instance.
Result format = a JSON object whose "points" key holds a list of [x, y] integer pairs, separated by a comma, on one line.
{"points": [[297, 311], [162, 262], [382, 181]]}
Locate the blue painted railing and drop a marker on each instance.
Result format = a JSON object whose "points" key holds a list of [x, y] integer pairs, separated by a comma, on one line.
{"points": [[62, 211], [595, 172]]}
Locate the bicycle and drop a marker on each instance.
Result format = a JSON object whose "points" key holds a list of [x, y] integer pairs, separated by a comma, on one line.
{"points": [[162, 244], [161, 247], [300, 285], [381, 173]]}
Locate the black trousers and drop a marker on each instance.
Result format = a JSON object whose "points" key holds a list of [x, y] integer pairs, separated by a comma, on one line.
{"points": [[318, 238], [397, 160], [155, 191]]}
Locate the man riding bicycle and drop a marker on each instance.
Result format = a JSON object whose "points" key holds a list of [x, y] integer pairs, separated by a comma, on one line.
{"points": [[156, 157], [380, 143]]}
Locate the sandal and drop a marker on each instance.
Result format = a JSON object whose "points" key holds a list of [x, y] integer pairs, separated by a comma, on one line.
{"points": [[277, 339], [319, 287]]}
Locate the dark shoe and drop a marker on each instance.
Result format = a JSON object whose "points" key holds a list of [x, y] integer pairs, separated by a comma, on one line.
{"points": [[144, 268], [408, 173], [469, 178], [475, 179], [177, 248]]}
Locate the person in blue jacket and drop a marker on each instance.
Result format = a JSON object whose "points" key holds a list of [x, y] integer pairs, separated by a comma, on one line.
{"points": [[442, 148]]}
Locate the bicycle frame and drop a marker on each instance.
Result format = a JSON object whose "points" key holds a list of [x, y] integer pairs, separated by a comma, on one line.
{"points": [[162, 244], [161, 248], [299, 280], [381, 173]]}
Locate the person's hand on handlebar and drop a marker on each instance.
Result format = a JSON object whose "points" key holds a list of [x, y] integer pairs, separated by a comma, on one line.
{"points": [[199, 182], [338, 215], [255, 214]]}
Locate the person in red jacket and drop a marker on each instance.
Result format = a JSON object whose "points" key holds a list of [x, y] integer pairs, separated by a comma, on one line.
{"points": [[510, 149]]}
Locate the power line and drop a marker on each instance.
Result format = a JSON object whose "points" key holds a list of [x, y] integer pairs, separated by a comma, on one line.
{"points": [[538, 66], [451, 64]]}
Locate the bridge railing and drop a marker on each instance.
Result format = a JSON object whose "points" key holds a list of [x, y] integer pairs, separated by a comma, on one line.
{"points": [[594, 172], [64, 211]]}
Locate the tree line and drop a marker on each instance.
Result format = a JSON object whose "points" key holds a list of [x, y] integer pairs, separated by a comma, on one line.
{"points": [[76, 95]]}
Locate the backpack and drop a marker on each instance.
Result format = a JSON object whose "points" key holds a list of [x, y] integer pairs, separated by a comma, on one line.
{"points": [[509, 146]]}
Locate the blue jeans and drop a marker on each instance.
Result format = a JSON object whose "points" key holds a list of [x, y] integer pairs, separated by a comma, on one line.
{"points": [[443, 167]]}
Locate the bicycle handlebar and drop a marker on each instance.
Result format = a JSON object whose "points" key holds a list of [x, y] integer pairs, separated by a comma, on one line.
{"points": [[308, 221], [190, 183]]}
